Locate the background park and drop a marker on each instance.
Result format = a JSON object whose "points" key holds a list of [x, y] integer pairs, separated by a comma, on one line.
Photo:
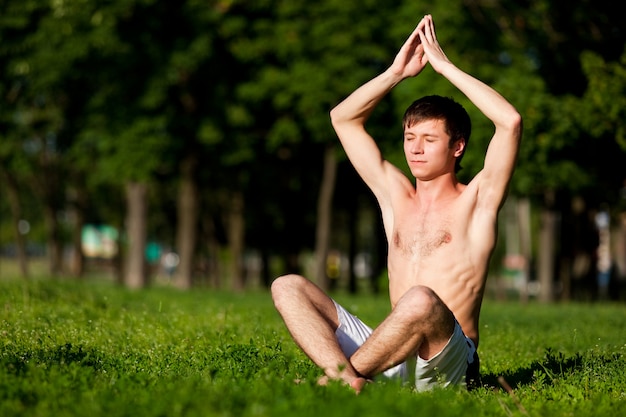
{"points": [[161, 162]]}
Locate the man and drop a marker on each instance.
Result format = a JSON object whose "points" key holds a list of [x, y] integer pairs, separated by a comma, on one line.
{"points": [[440, 233]]}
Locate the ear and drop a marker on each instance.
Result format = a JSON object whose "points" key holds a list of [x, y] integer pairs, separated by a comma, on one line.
{"points": [[459, 147]]}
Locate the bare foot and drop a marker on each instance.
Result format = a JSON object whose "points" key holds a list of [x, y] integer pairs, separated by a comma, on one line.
{"points": [[358, 384], [323, 380]]}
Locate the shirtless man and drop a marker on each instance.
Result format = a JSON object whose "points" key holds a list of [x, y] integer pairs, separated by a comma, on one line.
{"points": [[441, 233]]}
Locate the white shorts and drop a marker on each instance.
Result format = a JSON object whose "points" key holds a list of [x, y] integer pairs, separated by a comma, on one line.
{"points": [[449, 366]]}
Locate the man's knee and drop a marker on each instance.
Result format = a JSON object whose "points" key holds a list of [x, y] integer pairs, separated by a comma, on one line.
{"points": [[286, 286], [420, 303], [295, 295]]}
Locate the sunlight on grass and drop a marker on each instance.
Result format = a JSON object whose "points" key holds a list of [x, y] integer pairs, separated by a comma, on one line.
{"points": [[76, 349]]}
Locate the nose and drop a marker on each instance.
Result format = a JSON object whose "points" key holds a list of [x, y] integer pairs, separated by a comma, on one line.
{"points": [[417, 146]]}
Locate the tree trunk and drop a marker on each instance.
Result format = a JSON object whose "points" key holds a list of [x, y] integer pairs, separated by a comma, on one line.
{"points": [[77, 266], [46, 184], [53, 243], [379, 263], [545, 268], [79, 201], [516, 214], [324, 216], [15, 205], [507, 280], [186, 230], [523, 210], [266, 278], [136, 200], [352, 245], [236, 239], [213, 257], [620, 247]]}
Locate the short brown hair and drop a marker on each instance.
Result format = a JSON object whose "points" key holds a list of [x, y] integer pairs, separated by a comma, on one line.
{"points": [[456, 120]]}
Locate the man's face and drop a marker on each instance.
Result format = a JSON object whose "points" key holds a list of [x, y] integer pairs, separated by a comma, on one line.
{"points": [[426, 149]]}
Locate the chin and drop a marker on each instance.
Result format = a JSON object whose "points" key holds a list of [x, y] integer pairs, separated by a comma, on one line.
{"points": [[422, 177]]}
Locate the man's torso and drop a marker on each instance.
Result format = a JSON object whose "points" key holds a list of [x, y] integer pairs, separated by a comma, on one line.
{"points": [[445, 247]]}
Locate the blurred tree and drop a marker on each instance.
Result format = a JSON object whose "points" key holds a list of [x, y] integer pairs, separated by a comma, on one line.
{"points": [[226, 104], [15, 22], [31, 149], [603, 106], [80, 60], [559, 161], [305, 60]]}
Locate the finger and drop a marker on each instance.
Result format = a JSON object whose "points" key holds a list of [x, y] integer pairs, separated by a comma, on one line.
{"points": [[419, 28], [419, 51], [421, 23], [415, 34], [423, 34], [432, 27], [421, 55], [411, 44], [428, 29]]}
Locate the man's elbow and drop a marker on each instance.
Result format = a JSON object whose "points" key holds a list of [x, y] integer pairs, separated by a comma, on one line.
{"points": [[516, 120], [514, 123], [335, 116]]}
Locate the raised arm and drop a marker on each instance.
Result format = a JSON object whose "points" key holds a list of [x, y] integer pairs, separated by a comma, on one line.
{"points": [[349, 117], [503, 147]]}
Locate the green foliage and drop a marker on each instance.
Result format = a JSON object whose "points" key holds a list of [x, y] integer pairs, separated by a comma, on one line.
{"points": [[96, 94], [308, 62], [75, 349], [604, 103]]}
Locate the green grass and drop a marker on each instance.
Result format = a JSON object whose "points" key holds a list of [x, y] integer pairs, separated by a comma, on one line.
{"points": [[93, 349]]}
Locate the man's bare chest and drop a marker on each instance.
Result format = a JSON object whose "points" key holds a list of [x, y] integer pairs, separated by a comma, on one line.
{"points": [[422, 235]]}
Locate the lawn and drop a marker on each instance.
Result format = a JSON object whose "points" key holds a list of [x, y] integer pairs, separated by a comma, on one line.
{"points": [[94, 349]]}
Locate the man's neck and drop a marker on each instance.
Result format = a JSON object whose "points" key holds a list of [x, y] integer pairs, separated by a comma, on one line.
{"points": [[438, 189]]}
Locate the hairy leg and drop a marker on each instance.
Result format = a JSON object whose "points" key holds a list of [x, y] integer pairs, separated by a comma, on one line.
{"points": [[311, 318], [420, 322]]}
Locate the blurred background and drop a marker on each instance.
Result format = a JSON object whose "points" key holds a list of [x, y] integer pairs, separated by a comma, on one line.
{"points": [[188, 143]]}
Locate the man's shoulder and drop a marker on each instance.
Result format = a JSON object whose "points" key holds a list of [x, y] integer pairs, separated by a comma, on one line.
{"points": [[472, 191]]}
